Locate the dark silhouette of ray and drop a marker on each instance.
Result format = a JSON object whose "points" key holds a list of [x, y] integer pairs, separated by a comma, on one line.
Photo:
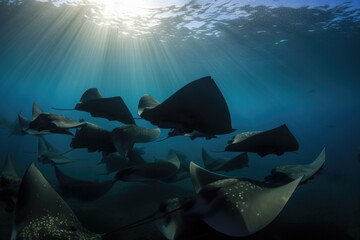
{"points": [[47, 154], [94, 138], [82, 190], [236, 207], [40, 213], [9, 184], [114, 161], [220, 164], [150, 172], [112, 108], [43, 122], [275, 141], [198, 106], [287, 173], [183, 171], [126, 136]]}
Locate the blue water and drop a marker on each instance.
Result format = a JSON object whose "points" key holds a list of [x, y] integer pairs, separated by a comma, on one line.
{"points": [[297, 64]]}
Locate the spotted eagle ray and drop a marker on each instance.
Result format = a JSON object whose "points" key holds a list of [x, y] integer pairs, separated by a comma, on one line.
{"points": [[111, 108], [219, 164], [80, 189], [47, 154], [288, 173], [94, 138], [125, 137], [275, 141], [198, 106], [40, 213], [50, 122], [9, 184], [237, 207]]}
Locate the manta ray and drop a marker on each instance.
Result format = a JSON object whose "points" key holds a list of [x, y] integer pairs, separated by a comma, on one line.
{"points": [[111, 108], [40, 213], [274, 141], [47, 154], [80, 189], [9, 184], [198, 109], [45, 123], [220, 164], [287, 173]]}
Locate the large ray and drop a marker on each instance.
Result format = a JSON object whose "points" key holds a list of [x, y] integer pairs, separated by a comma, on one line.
{"points": [[9, 184], [288, 173], [40, 213], [219, 164], [80, 189], [237, 207], [198, 106], [94, 138], [126, 136], [275, 141], [47, 154], [150, 172], [112, 108], [50, 122]]}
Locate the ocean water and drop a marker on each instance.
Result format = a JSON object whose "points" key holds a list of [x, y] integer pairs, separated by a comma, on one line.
{"points": [[275, 63]]}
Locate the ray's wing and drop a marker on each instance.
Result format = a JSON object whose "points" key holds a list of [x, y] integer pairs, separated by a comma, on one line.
{"points": [[40, 213]]}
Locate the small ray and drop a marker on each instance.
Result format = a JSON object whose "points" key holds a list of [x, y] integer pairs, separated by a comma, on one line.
{"points": [[183, 172], [50, 123], [198, 106], [94, 138], [40, 213], [9, 184], [114, 161], [275, 141], [47, 154], [111, 108], [237, 207], [82, 190], [287, 173], [125, 137], [150, 172], [220, 164]]}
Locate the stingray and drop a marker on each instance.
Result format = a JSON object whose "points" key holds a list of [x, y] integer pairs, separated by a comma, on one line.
{"points": [[9, 184], [114, 161], [236, 207], [112, 108], [150, 172], [82, 190], [40, 213], [51, 122], [287, 173], [198, 106], [47, 154], [94, 138], [220, 164], [126, 136], [275, 141]]}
